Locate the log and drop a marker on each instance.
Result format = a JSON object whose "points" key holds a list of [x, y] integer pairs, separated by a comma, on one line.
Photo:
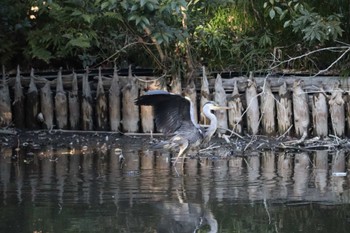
{"points": [[300, 110], [220, 99], [101, 105], [32, 104], [252, 110], [190, 92], [130, 110], [235, 113], [337, 111], [86, 107], [73, 103], [268, 110], [47, 105], [18, 104], [114, 102], [5, 102], [284, 110], [320, 115], [61, 104], [205, 97]]}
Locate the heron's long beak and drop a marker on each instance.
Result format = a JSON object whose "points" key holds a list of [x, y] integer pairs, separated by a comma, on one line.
{"points": [[221, 108]]}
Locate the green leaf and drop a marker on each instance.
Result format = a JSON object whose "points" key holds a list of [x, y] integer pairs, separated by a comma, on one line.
{"points": [[286, 24], [272, 13]]}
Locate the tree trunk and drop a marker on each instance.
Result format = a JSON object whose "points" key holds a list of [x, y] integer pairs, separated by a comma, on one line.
{"points": [[130, 110], [86, 109], [337, 112]]}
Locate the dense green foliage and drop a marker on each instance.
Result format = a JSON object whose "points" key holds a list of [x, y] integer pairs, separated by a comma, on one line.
{"points": [[173, 34]]}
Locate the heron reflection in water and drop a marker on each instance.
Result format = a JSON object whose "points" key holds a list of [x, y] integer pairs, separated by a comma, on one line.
{"points": [[174, 115]]}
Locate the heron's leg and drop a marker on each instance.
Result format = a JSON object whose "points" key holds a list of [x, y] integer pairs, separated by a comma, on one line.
{"points": [[183, 146]]}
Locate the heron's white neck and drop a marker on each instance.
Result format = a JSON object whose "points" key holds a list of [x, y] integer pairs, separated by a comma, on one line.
{"points": [[213, 123]]}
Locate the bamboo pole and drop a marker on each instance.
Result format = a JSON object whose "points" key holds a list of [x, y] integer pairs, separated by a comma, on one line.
{"points": [[74, 105], [253, 114], [5, 102], [114, 102], [18, 104], [101, 105], [284, 109], [300, 110], [235, 113], [130, 110], [268, 110], [47, 105], [61, 104], [32, 104], [205, 96], [320, 115], [337, 111], [86, 109]]}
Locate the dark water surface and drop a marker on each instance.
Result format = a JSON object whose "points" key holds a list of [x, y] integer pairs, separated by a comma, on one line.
{"points": [[67, 190]]}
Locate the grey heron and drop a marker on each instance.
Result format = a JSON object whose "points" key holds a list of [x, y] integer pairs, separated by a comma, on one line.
{"points": [[174, 115]]}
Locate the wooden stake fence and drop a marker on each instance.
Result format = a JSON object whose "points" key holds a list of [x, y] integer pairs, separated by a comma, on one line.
{"points": [[274, 106]]}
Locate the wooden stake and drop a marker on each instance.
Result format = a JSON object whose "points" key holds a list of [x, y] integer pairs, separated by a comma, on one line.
{"points": [[32, 104], [74, 105], [205, 96], [61, 105], [190, 92], [176, 86], [253, 114], [130, 110], [235, 113], [320, 115], [5, 102], [86, 109], [18, 104], [114, 102], [147, 118], [47, 105], [300, 110], [337, 111], [268, 110], [220, 99], [101, 105], [284, 109]]}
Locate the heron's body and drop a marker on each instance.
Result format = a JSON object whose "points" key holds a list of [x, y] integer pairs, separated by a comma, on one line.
{"points": [[174, 115]]}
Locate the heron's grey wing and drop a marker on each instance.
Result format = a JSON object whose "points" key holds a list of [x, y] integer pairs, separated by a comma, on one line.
{"points": [[170, 111]]}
